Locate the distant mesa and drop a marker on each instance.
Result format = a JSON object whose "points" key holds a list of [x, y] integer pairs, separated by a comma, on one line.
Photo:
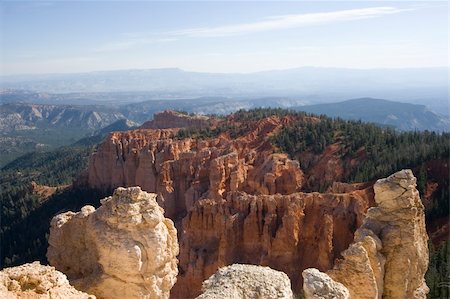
{"points": [[170, 119]]}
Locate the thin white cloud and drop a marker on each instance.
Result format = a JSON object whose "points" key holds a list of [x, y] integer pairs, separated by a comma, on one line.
{"points": [[133, 39], [289, 21]]}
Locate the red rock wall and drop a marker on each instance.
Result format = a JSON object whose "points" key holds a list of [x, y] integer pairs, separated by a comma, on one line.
{"points": [[285, 232], [183, 171], [238, 200]]}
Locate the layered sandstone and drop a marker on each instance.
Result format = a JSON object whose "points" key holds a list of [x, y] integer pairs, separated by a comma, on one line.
{"points": [[204, 185], [124, 249], [183, 171], [285, 232], [389, 255], [173, 119], [35, 281], [247, 281]]}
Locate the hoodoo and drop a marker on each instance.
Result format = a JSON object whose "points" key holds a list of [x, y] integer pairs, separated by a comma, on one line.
{"points": [[285, 232], [124, 249], [234, 200]]}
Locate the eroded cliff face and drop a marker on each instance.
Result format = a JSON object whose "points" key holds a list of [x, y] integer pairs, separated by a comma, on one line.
{"points": [[35, 281], [389, 255], [285, 232], [183, 171], [124, 249], [233, 199]]}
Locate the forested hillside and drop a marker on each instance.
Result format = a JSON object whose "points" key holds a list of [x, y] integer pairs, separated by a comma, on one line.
{"points": [[382, 150], [25, 213]]}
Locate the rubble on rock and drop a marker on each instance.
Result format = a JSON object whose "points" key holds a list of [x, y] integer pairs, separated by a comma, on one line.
{"points": [[35, 281]]}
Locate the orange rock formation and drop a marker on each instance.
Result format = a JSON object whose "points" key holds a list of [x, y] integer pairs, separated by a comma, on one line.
{"points": [[233, 200], [183, 171], [288, 233]]}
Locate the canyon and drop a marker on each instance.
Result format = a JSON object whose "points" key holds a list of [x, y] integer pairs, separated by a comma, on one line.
{"points": [[233, 200], [127, 249], [230, 196]]}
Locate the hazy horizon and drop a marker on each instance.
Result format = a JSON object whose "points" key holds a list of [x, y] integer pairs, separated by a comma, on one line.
{"points": [[224, 73], [60, 37]]}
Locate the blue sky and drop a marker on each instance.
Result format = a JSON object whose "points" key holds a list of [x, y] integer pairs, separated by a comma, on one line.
{"points": [[65, 37]]}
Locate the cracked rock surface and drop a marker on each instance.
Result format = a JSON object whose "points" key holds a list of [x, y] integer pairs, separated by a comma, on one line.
{"points": [[319, 285], [35, 281], [247, 281], [124, 249]]}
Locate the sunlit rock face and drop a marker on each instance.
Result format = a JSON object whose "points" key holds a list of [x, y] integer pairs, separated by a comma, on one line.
{"points": [[389, 255], [234, 200], [124, 249], [285, 232], [183, 171]]}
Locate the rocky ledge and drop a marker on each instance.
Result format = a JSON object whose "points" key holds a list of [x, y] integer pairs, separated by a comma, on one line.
{"points": [[35, 281]]}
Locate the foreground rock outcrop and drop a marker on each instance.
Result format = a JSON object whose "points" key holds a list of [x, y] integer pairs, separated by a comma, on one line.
{"points": [[247, 281], [124, 249], [318, 285], [389, 255], [35, 281]]}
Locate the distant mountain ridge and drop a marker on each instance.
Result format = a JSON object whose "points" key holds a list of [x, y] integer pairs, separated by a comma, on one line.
{"points": [[177, 79], [26, 127], [318, 84], [403, 116], [20, 116]]}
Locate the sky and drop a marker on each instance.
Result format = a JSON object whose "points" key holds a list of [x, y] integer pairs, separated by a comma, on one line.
{"points": [[227, 37]]}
